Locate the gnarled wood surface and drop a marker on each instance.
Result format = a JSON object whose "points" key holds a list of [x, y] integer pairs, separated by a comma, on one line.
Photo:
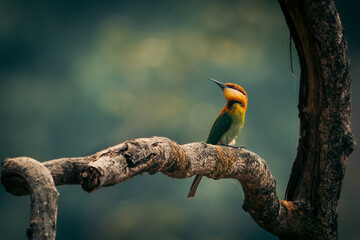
{"points": [[325, 143], [158, 154], [19, 175], [325, 140]]}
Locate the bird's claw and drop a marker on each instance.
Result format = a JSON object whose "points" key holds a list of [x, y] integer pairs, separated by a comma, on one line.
{"points": [[236, 147]]}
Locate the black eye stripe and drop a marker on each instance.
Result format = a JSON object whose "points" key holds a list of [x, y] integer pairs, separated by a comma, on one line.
{"points": [[243, 92], [238, 89]]}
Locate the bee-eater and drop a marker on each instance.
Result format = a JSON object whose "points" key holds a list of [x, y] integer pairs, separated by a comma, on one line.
{"points": [[229, 122]]}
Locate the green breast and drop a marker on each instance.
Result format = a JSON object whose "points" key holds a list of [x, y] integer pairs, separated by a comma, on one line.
{"points": [[226, 127], [233, 131]]}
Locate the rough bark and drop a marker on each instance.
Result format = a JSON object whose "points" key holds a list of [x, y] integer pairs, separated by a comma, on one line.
{"points": [[325, 142], [158, 154], [38, 182]]}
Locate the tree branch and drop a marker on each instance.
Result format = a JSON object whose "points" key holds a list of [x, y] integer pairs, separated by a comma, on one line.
{"points": [[37, 181], [158, 154], [325, 140], [313, 192]]}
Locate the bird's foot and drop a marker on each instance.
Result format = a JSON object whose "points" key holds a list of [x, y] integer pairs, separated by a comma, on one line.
{"points": [[236, 147]]}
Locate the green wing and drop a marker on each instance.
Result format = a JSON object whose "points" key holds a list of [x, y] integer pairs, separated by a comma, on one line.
{"points": [[220, 126]]}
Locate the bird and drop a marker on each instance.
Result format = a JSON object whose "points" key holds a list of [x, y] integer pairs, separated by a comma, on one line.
{"points": [[228, 124]]}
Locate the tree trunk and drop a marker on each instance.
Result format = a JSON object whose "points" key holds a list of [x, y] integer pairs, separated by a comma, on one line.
{"points": [[325, 140], [313, 192]]}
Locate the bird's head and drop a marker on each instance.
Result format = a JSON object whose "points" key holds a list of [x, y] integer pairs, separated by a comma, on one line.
{"points": [[233, 93]]}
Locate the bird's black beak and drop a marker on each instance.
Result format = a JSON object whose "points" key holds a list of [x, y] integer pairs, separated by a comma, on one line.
{"points": [[219, 83]]}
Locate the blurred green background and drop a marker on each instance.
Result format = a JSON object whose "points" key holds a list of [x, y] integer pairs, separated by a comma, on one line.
{"points": [[79, 76]]}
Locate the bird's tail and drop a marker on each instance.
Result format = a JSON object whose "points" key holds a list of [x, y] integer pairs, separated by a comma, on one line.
{"points": [[194, 186]]}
